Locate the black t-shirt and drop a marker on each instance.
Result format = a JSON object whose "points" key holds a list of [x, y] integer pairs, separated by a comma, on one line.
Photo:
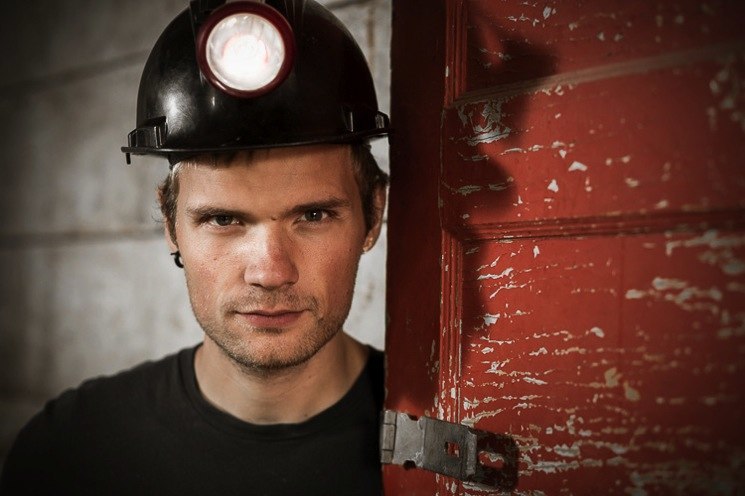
{"points": [[149, 431]]}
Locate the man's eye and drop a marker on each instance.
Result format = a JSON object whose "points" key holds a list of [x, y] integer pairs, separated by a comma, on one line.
{"points": [[314, 215], [222, 220]]}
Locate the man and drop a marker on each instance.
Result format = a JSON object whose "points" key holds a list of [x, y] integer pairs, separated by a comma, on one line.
{"points": [[271, 200]]}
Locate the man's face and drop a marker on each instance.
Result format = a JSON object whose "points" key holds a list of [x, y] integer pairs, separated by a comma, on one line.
{"points": [[270, 247]]}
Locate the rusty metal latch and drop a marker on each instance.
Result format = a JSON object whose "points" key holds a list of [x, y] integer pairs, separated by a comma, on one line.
{"points": [[450, 449]]}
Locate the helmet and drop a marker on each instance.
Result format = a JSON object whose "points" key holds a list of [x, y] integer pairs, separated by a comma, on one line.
{"points": [[320, 92]]}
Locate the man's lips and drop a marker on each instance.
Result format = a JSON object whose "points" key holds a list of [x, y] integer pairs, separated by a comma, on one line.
{"points": [[271, 318]]}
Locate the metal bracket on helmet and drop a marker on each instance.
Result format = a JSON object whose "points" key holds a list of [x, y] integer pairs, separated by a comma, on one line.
{"points": [[150, 135]]}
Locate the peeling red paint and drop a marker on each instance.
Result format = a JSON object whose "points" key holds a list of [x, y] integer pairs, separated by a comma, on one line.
{"points": [[591, 206]]}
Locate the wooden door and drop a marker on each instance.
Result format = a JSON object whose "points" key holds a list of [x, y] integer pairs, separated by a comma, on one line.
{"points": [[567, 239]]}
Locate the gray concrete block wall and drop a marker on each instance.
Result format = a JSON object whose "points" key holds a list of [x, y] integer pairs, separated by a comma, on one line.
{"points": [[86, 283]]}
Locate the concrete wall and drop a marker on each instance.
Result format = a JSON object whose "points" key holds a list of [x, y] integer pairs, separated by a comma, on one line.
{"points": [[86, 283]]}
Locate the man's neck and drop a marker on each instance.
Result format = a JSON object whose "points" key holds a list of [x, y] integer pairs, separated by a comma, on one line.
{"points": [[287, 396]]}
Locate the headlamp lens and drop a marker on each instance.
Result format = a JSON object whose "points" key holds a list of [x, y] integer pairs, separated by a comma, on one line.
{"points": [[245, 48], [245, 52]]}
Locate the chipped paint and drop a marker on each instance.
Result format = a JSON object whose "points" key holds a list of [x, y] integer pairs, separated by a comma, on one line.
{"points": [[503, 185], [488, 127], [506, 272], [491, 319], [608, 354], [598, 332], [631, 182], [467, 190]]}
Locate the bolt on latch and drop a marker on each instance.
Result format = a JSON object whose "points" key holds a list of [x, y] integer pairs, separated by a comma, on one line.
{"points": [[450, 449]]}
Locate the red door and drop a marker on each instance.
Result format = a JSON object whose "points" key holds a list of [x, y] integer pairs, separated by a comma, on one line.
{"points": [[567, 240]]}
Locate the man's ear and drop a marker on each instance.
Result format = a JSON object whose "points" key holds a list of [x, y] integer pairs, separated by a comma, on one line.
{"points": [[379, 197], [170, 237]]}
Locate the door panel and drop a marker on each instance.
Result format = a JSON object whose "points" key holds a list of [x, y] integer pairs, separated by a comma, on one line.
{"points": [[608, 356], [634, 145], [511, 42], [566, 257]]}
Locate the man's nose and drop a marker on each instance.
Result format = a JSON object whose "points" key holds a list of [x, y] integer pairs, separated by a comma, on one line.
{"points": [[270, 263]]}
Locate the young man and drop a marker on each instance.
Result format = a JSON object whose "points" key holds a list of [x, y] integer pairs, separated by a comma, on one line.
{"points": [[272, 198]]}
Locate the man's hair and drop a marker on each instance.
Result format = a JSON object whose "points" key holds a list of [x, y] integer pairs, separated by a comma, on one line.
{"points": [[367, 173]]}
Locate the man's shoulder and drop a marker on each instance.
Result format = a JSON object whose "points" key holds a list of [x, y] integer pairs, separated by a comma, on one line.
{"points": [[88, 423], [121, 388], [105, 399]]}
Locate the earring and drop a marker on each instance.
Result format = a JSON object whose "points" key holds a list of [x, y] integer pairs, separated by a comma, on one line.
{"points": [[177, 259]]}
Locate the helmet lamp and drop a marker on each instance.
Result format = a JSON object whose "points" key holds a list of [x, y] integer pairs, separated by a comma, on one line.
{"points": [[245, 48]]}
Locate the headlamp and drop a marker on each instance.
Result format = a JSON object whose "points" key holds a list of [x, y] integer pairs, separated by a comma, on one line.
{"points": [[245, 48]]}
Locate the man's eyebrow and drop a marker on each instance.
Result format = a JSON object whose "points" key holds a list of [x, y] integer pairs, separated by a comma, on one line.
{"points": [[206, 211], [203, 212], [325, 204]]}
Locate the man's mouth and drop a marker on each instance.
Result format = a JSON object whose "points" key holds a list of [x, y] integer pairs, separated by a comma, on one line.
{"points": [[271, 318]]}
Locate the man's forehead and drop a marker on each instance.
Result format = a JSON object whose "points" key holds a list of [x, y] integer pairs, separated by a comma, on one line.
{"points": [[297, 174], [292, 154]]}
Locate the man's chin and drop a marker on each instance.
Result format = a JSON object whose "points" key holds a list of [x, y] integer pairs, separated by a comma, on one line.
{"points": [[269, 363]]}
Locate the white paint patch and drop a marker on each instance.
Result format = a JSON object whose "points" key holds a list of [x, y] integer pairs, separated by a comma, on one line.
{"points": [[734, 267], [467, 190], [536, 251], [662, 204], [502, 186], [553, 186], [608, 161], [601, 36], [598, 332], [563, 154], [662, 284], [490, 129], [506, 272], [635, 294], [573, 26], [491, 319], [474, 158], [556, 116], [626, 159], [547, 12], [617, 37], [532, 380], [630, 393], [612, 377], [710, 238], [567, 451], [540, 351], [631, 182], [465, 216], [577, 166]]}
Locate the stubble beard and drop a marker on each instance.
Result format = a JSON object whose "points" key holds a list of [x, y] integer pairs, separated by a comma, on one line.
{"points": [[237, 340]]}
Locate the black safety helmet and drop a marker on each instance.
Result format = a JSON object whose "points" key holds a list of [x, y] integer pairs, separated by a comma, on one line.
{"points": [[321, 91]]}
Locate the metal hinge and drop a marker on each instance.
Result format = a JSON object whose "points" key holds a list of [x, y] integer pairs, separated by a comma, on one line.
{"points": [[450, 449]]}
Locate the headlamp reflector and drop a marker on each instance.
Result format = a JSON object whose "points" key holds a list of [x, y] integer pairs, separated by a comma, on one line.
{"points": [[245, 48]]}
